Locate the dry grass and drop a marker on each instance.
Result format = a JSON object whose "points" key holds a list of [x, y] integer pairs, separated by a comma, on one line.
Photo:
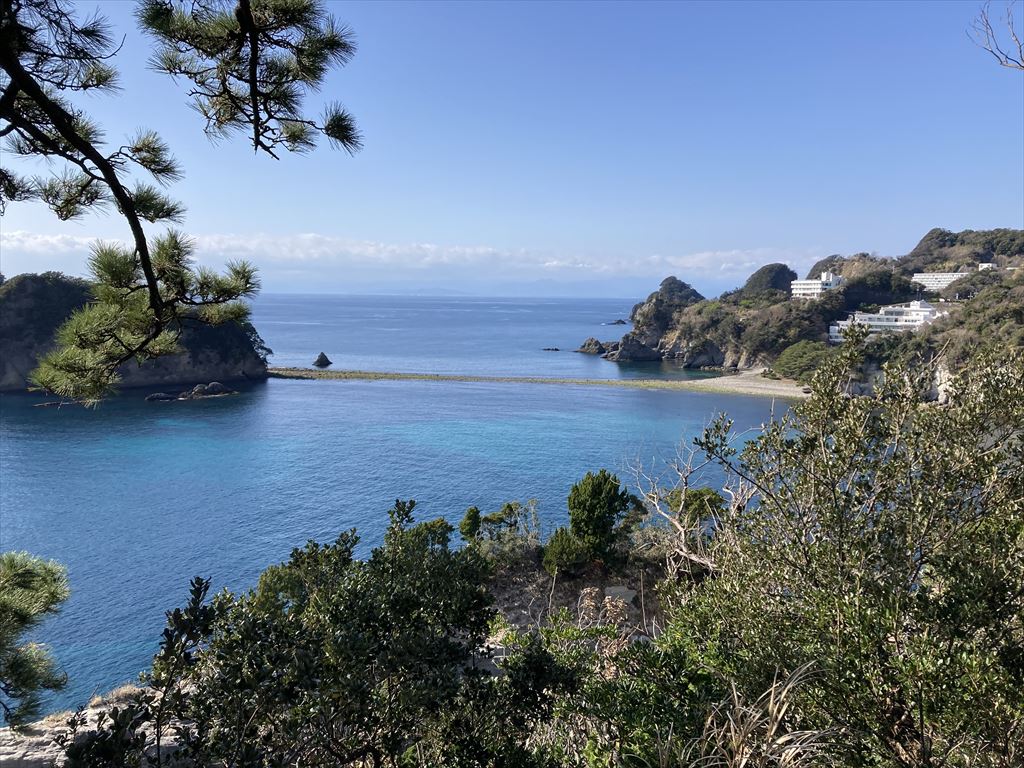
{"points": [[526, 595], [740, 733], [120, 695]]}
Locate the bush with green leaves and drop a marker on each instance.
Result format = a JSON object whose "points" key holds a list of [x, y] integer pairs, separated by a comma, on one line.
{"points": [[799, 361], [509, 536], [866, 592], [469, 526], [333, 661], [879, 540], [30, 590], [597, 505], [564, 553]]}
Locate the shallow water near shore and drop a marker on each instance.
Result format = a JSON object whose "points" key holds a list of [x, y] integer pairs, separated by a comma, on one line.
{"points": [[136, 498]]}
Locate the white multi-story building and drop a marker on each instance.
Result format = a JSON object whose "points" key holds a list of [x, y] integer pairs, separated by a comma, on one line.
{"points": [[812, 289], [893, 318], [936, 281]]}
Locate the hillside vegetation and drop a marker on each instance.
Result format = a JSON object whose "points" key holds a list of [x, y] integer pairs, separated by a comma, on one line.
{"points": [[990, 319], [753, 325], [857, 603]]}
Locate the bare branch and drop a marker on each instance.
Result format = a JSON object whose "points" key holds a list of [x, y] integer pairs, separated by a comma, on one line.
{"points": [[983, 33]]}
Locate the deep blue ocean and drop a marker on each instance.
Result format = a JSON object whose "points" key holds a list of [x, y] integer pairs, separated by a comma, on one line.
{"points": [[136, 498]]}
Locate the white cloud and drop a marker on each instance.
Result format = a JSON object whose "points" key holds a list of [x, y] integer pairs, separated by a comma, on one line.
{"points": [[33, 244], [313, 258], [312, 248]]}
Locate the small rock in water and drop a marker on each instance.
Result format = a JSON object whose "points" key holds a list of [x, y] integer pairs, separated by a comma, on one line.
{"points": [[198, 392], [592, 347], [161, 397], [551, 349], [322, 361]]}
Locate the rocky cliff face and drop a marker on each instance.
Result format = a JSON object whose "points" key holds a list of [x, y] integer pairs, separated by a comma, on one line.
{"points": [[652, 318], [32, 307]]}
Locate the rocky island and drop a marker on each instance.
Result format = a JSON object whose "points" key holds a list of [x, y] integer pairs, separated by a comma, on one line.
{"points": [[32, 308]]}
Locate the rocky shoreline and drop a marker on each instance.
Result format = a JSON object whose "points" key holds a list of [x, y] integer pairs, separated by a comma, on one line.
{"points": [[35, 745]]}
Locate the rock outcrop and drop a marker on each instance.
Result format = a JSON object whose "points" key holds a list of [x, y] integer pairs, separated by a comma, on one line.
{"points": [[592, 347], [32, 308], [652, 318], [636, 347], [34, 747], [322, 361], [161, 397], [198, 392]]}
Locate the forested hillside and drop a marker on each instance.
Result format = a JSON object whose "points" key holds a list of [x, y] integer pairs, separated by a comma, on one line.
{"points": [[753, 325]]}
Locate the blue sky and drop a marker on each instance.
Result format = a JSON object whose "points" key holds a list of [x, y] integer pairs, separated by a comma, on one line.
{"points": [[591, 149]]}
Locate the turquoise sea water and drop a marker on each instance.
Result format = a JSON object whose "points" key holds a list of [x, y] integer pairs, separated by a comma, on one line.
{"points": [[136, 498]]}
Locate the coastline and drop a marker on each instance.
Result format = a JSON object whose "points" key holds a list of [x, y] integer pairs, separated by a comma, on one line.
{"points": [[743, 383]]}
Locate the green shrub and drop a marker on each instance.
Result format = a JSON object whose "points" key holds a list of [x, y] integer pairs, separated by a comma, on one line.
{"points": [[564, 553], [799, 361], [509, 535], [331, 661], [469, 526], [882, 545], [698, 503], [596, 505]]}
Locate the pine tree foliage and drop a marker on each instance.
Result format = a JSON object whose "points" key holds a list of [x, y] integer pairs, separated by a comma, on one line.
{"points": [[30, 590], [596, 505], [251, 64], [272, 51]]}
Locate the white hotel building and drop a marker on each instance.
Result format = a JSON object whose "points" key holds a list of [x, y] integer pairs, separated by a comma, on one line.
{"points": [[936, 281], [812, 289], [893, 318]]}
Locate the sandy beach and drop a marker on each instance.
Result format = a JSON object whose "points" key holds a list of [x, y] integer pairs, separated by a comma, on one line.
{"points": [[744, 383]]}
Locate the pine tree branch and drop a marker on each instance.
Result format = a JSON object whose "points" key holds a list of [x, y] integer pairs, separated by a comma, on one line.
{"points": [[64, 125], [248, 28]]}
